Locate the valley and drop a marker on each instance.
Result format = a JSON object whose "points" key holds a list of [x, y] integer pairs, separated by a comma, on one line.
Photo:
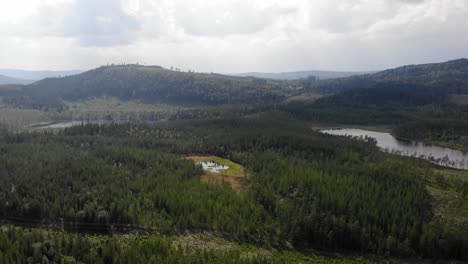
{"points": [[110, 164], [233, 131]]}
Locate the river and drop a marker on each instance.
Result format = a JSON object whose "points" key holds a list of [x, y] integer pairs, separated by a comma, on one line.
{"points": [[439, 155]]}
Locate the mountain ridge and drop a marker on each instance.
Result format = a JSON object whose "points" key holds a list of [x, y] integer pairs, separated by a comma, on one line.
{"points": [[155, 85], [11, 80], [36, 75]]}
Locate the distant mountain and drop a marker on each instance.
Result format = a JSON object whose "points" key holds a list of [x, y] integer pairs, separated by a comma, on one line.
{"points": [[322, 75], [36, 75], [150, 84], [10, 80]]}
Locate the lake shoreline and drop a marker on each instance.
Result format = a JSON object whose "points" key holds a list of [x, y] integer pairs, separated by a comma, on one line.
{"points": [[441, 156]]}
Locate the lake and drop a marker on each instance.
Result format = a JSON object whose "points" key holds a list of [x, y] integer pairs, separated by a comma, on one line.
{"points": [[439, 155], [56, 125], [67, 124]]}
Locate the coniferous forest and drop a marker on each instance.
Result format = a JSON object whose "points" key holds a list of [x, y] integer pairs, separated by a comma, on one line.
{"points": [[128, 192], [305, 189]]}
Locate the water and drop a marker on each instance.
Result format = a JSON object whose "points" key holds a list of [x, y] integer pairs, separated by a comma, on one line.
{"points": [[439, 155], [56, 125], [67, 124], [213, 166]]}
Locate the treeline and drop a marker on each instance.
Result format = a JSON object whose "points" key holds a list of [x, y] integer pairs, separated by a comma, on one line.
{"points": [[454, 132], [306, 189]]}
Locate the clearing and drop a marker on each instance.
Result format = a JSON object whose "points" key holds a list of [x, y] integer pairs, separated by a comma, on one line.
{"points": [[448, 189], [234, 175]]}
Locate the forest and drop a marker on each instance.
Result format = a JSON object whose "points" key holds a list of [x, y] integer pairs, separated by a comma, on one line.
{"points": [[76, 195], [42, 246], [305, 189]]}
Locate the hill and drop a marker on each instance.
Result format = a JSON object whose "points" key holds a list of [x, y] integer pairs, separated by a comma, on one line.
{"points": [[389, 93], [451, 76], [432, 73], [408, 85], [414, 93], [150, 84], [36, 75], [10, 80], [322, 75]]}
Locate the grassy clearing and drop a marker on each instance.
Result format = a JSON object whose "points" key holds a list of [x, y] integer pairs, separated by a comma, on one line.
{"points": [[449, 206], [449, 191], [234, 175]]}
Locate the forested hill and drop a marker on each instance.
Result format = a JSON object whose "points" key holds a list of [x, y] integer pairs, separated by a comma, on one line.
{"points": [[414, 93], [150, 84], [433, 73], [406, 86], [451, 75]]}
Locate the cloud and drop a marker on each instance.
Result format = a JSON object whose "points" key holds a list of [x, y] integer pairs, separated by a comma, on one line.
{"points": [[211, 18], [233, 35], [345, 17], [91, 22], [100, 23]]}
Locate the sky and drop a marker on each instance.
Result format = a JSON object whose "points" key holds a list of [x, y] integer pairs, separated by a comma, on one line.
{"points": [[232, 36]]}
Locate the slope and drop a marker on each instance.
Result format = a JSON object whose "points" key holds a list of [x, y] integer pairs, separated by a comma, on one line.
{"points": [[451, 75], [150, 84], [421, 102]]}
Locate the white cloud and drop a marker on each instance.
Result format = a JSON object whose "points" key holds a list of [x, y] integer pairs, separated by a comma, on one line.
{"points": [[232, 35], [227, 17]]}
